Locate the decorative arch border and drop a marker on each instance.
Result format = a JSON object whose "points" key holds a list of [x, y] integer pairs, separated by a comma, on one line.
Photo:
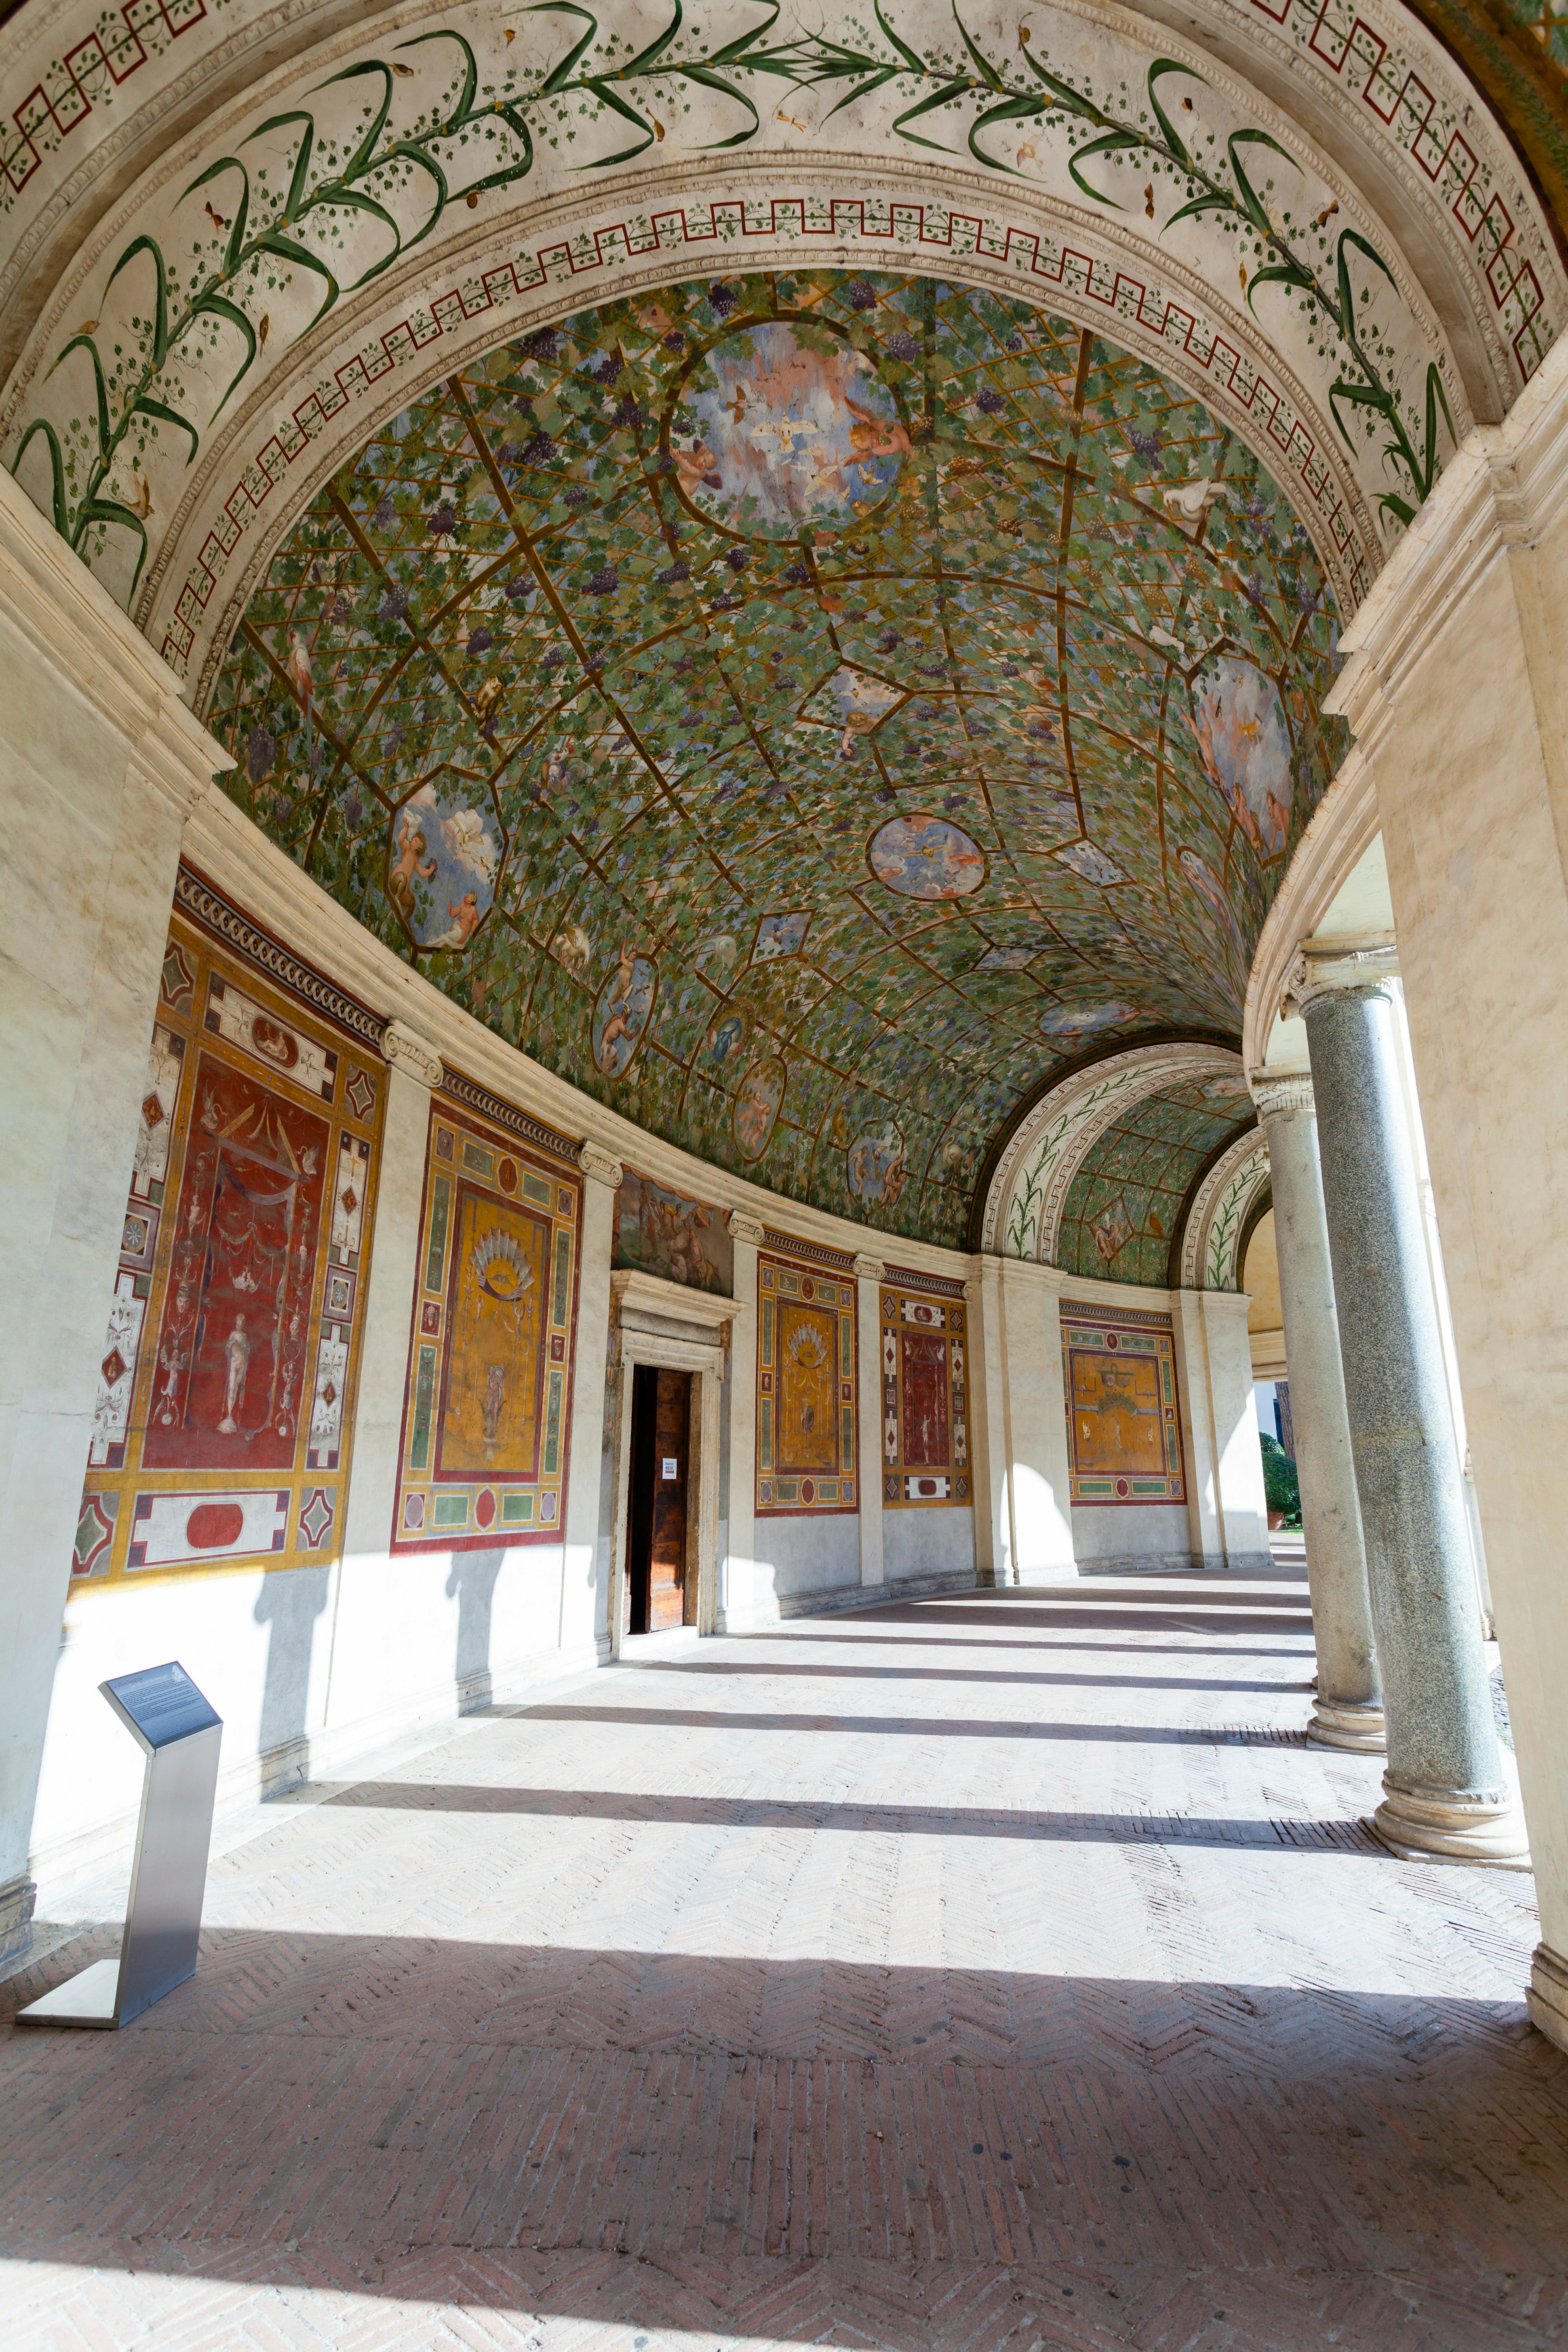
{"points": [[298, 430], [1217, 1220], [1027, 1193]]}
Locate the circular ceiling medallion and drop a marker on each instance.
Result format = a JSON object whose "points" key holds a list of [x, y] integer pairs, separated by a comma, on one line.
{"points": [[924, 857], [780, 429]]}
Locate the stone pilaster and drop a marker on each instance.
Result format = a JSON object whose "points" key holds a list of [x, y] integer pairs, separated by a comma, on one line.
{"points": [[987, 1458], [1348, 1711], [737, 1572], [868, 1273], [1035, 1422], [1445, 1794], [585, 1578]]}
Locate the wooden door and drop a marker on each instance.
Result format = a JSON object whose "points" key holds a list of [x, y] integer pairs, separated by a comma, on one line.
{"points": [[672, 1455]]}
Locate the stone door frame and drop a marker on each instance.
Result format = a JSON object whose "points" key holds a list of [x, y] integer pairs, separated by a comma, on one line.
{"points": [[661, 1323]]}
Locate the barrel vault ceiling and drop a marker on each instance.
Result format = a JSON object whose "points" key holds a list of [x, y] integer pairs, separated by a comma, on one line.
{"points": [[805, 713]]}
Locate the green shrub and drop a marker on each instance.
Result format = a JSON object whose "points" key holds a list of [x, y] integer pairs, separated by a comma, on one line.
{"points": [[1280, 1483]]}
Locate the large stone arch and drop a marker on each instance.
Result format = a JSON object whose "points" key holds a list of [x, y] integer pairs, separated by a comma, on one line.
{"points": [[1382, 136]]}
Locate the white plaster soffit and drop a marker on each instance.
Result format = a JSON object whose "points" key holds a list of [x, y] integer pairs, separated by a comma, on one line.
{"points": [[1211, 1241], [1025, 1197], [550, 243], [1343, 826]]}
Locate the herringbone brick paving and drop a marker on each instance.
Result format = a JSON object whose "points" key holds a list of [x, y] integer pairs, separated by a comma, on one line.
{"points": [[1015, 1997]]}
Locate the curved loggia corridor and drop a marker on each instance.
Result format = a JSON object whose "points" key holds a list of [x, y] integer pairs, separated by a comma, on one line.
{"points": [[995, 1969]]}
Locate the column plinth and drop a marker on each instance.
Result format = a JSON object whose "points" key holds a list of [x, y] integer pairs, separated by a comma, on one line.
{"points": [[1546, 1996], [1445, 1797], [1348, 1709]]}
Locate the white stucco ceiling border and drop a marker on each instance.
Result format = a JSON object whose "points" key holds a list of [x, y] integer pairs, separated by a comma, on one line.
{"points": [[1211, 1238]]}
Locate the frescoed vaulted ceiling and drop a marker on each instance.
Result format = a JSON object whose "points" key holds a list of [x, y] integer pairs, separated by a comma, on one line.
{"points": [[805, 712]]}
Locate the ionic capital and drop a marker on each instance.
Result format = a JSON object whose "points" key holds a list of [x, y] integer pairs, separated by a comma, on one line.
{"points": [[1369, 970], [744, 1229], [600, 1165], [402, 1050], [1279, 1093], [869, 1269]]}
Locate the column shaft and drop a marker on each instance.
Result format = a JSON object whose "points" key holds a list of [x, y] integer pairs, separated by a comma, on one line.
{"points": [[1445, 1792], [1348, 1712]]}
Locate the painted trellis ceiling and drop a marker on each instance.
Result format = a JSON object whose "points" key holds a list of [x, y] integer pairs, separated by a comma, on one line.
{"points": [[803, 712], [425, 380]]}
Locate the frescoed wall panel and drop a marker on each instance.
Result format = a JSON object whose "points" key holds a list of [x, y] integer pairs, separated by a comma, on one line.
{"points": [[925, 1423], [225, 1409], [489, 1399], [660, 1232], [805, 1387], [1124, 1438]]}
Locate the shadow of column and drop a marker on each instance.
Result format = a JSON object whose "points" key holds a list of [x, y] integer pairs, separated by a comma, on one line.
{"points": [[289, 1604], [472, 1584]]}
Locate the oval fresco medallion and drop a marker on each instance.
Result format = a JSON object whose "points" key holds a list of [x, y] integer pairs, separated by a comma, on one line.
{"points": [[781, 428], [875, 1166], [620, 1016], [444, 852], [1069, 1023], [1244, 745], [757, 1106], [923, 856]]}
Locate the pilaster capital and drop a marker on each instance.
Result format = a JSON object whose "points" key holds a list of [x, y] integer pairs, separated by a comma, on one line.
{"points": [[971, 1292], [1279, 1093], [402, 1050], [1315, 973], [869, 1269], [745, 1229], [600, 1165]]}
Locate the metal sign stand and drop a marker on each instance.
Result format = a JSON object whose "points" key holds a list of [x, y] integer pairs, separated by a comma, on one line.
{"points": [[179, 1736]]}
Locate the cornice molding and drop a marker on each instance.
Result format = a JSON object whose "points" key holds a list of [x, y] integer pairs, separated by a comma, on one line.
{"points": [[460, 1087], [1343, 827], [202, 902]]}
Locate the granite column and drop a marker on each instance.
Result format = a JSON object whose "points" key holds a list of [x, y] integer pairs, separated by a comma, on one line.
{"points": [[1445, 1794], [1348, 1712]]}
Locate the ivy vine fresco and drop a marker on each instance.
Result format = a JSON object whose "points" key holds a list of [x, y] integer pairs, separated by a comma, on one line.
{"points": [[317, 202], [804, 711]]}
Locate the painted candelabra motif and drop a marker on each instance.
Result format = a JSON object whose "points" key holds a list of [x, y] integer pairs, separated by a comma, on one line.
{"points": [[224, 1418], [925, 1392], [805, 1387], [487, 1410]]}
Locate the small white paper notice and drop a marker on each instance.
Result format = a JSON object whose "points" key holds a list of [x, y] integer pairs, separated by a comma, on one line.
{"points": [[671, 1466]]}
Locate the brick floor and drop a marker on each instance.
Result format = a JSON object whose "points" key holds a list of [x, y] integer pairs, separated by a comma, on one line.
{"points": [[998, 1971]]}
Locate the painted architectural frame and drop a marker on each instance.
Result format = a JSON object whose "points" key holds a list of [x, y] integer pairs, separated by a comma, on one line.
{"points": [[805, 1385], [223, 1416], [1123, 1411], [925, 1391], [487, 1413]]}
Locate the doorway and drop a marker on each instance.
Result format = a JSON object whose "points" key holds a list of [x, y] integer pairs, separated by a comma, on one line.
{"points": [[657, 1498]]}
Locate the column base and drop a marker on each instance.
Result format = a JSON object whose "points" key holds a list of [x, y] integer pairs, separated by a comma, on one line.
{"points": [[1355, 1723], [17, 1901], [1451, 1825], [1546, 1997]]}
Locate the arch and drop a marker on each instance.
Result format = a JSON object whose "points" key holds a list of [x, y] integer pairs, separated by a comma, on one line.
{"points": [[1222, 1214], [286, 368], [1029, 1190]]}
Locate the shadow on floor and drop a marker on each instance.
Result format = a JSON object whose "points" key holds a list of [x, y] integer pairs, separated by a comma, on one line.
{"points": [[330, 2106]]}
